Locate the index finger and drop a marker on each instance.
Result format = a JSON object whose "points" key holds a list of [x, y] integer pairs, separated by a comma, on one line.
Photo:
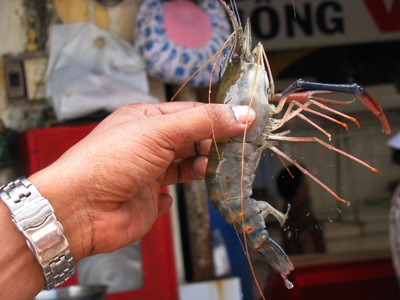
{"points": [[201, 123], [174, 107]]}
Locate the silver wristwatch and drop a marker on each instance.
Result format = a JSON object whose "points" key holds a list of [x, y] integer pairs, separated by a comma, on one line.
{"points": [[35, 218]]}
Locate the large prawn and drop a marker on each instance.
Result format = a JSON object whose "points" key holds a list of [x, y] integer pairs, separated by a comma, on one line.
{"points": [[245, 79]]}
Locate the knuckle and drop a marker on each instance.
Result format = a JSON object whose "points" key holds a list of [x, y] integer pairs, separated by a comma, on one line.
{"points": [[217, 113], [136, 108], [127, 109]]}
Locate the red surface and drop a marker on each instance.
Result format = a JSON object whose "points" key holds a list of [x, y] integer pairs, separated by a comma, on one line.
{"points": [[41, 147], [158, 265], [367, 279]]}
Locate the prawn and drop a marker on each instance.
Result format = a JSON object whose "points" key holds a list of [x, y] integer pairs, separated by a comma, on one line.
{"points": [[245, 79]]}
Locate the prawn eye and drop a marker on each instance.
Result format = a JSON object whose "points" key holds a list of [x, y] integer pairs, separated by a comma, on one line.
{"points": [[235, 57]]}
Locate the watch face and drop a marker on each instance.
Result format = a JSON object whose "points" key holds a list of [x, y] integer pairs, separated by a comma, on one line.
{"points": [[121, 270]]}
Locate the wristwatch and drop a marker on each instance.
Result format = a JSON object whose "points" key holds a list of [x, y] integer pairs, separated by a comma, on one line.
{"points": [[34, 217]]}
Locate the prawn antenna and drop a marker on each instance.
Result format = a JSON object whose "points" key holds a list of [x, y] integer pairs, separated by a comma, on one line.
{"points": [[218, 52], [235, 9], [294, 9]]}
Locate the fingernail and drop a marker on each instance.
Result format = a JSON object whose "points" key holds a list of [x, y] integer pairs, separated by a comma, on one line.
{"points": [[242, 113]]}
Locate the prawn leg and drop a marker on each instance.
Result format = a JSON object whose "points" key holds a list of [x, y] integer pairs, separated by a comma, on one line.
{"points": [[267, 209], [305, 96], [290, 114], [330, 147], [304, 107], [351, 88], [305, 172]]}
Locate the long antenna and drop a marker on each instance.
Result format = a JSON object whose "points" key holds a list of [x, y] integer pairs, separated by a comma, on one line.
{"points": [[234, 7]]}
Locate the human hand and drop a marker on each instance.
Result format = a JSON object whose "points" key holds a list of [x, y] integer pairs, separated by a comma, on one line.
{"points": [[105, 189]]}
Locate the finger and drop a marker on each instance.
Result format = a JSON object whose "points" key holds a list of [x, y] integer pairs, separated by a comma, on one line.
{"points": [[164, 203], [140, 111], [192, 168], [174, 107], [201, 122], [194, 149], [155, 109]]}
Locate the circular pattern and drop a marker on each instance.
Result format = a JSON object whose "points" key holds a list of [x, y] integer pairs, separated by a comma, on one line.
{"points": [[171, 57]]}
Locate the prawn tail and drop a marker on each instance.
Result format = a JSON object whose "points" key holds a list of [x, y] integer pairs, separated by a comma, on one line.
{"points": [[272, 253], [245, 214]]}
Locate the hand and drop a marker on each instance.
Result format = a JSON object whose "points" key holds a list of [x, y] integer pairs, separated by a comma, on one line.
{"points": [[105, 189]]}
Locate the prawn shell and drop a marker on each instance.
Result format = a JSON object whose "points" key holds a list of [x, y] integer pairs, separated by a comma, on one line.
{"points": [[223, 178]]}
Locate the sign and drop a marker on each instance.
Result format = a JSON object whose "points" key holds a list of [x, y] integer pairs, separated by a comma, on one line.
{"points": [[288, 24]]}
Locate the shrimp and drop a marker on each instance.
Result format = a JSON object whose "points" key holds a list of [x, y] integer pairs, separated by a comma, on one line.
{"points": [[245, 79]]}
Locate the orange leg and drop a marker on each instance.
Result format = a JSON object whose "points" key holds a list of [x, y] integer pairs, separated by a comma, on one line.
{"points": [[277, 151], [314, 139]]}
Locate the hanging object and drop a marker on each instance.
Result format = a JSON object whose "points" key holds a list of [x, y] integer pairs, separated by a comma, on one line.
{"points": [[91, 69], [176, 37]]}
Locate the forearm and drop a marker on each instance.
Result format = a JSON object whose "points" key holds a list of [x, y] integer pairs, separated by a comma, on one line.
{"points": [[21, 275]]}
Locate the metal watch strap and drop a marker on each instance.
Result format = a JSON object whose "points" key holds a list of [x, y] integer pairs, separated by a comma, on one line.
{"points": [[34, 217]]}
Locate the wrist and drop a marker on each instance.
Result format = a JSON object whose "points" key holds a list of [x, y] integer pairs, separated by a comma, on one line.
{"points": [[67, 210]]}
